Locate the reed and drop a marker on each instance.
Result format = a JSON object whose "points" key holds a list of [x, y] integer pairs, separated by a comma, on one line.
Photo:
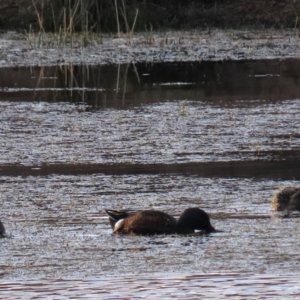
{"points": [[83, 19]]}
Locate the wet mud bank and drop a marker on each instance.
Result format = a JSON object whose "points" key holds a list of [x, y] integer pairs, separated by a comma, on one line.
{"points": [[213, 45], [284, 169]]}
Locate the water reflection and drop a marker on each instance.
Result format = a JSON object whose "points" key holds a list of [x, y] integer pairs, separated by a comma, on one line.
{"points": [[121, 86]]}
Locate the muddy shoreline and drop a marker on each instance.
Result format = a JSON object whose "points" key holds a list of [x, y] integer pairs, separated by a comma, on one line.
{"points": [[47, 49], [284, 169]]}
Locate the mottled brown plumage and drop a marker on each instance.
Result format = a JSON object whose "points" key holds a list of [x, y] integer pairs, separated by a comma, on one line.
{"points": [[287, 198]]}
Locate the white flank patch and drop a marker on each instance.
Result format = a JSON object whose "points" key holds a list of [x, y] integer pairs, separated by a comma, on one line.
{"points": [[118, 224]]}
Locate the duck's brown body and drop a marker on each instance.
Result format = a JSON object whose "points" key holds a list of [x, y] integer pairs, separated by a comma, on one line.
{"points": [[146, 222]]}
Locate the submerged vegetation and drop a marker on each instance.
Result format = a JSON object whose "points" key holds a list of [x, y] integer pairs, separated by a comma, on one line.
{"points": [[125, 16]]}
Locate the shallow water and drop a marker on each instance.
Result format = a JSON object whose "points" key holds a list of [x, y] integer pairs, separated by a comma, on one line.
{"points": [[174, 286], [223, 139], [58, 224]]}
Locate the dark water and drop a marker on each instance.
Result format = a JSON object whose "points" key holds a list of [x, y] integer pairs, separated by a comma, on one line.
{"points": [[227, 84], [222, 136]]}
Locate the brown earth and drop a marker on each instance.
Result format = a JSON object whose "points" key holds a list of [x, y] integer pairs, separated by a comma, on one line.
{"points": [[15, 13], [11, 8], [230, 13]]}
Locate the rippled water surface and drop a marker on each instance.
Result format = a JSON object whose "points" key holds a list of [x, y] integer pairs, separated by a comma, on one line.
{"points": [[214, 286], [75, 141]]}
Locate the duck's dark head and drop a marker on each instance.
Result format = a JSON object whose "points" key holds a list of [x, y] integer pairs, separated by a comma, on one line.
{"points": [[295, 202], [194, 219], [2, 230]]}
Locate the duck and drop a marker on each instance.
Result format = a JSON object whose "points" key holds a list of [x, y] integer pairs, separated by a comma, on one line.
{"points": [[2, 230], [287, 198], [150, 222], [295, 201]]}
